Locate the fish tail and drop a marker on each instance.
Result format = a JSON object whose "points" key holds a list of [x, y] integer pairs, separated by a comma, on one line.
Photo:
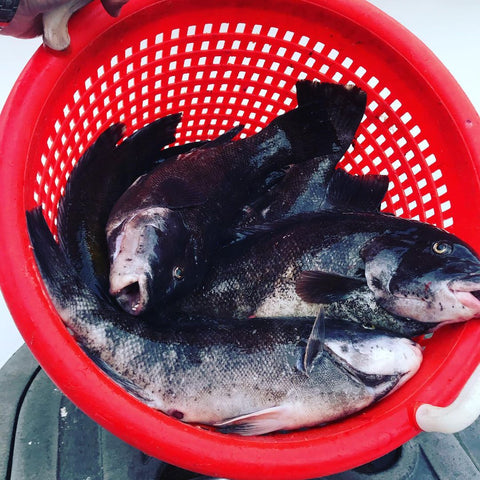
{"points": [[62, 282], [50, 259], [343, 105], [325, 121], [308, 132]]}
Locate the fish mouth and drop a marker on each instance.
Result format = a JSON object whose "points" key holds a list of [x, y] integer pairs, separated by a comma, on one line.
{"points": [[131, 295], [469, 299], [467, 291]]}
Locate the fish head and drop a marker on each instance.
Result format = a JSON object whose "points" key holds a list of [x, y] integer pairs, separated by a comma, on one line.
{"points": [[381, 360], [150, 258], [425, 274]]}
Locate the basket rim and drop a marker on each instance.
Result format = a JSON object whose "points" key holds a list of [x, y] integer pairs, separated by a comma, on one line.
{"points": [[279, 459]]}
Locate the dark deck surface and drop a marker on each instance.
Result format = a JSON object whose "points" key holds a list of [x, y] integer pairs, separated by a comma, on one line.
{"points": [[43, 436]]}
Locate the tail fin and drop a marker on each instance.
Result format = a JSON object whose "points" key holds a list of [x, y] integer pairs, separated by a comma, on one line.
{"points": [[309, 131], [325, 121], [344, 105], [58, 276]]}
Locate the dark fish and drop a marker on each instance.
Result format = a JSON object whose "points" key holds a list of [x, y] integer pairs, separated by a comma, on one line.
{"points": [[304, 187], [97, 181], [163, 230], [248, 378], [101, 175], [377, 269]]}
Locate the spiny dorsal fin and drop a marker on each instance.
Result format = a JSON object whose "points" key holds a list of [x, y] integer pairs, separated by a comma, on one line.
{"points": [[171, 152], [226, 137], [269, 228]]}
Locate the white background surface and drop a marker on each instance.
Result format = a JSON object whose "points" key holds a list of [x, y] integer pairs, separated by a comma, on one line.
{"points": [[450, 29]]}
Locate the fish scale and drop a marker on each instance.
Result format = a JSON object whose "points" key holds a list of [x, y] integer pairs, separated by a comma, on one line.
{"points": [[191, 203], [218, 373], [371, 268], [270, 259]]}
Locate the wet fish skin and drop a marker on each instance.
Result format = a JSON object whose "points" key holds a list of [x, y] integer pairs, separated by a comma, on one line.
{"points": [[231, 175], [108, 169], [360, 306], [304, 186], [372, 267], [435, 279], [242, 378]]}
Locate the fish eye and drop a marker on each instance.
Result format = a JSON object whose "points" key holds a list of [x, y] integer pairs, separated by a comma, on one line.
{"points": [[442, 248], [178, 273]]}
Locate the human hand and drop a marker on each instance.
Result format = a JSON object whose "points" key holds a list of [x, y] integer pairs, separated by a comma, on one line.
{"points": [[50, 18]]}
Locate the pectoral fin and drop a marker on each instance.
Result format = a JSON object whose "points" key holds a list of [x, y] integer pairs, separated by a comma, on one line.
{"points": [[257, 423], [315, 341], [324, 287]]}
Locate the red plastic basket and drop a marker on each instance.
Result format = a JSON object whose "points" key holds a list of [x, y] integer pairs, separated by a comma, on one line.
{"points": [[221, 62]]}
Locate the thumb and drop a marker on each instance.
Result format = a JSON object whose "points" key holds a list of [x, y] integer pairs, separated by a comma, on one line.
{"points": [[55, 24]]}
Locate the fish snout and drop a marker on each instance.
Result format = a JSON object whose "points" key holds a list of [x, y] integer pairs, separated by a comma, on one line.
{"points": [[134, 254]]}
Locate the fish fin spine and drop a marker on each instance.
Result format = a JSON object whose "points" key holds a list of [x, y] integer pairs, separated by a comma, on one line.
{"points": [[315, 341]]}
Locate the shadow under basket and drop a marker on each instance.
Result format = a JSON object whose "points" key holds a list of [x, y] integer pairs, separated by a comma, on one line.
{"points": [[223, 63]]}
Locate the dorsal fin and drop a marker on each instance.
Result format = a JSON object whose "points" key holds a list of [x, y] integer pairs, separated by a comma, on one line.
{"points": [[360, 193], [254, 232], [171, 152], [226, 137]]}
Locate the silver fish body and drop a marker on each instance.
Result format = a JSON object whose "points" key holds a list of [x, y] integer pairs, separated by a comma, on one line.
{"points": [[249, 378], [384, 271]]}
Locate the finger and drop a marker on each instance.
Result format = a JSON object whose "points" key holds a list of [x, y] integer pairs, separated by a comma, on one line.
{"points": [[113, 7], [55, 24]]}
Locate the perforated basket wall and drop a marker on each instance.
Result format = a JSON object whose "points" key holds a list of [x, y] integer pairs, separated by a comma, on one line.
{"points": [[221, 63]]}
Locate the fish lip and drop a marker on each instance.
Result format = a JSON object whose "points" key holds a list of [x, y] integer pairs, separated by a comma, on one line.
{"points": [[467, 283], [132, 295], [467, 291]]}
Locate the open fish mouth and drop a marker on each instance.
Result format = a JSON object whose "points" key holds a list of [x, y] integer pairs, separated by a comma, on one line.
{"points": [[469, 299], [467, 291], [476, 294], [131, 295]]}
